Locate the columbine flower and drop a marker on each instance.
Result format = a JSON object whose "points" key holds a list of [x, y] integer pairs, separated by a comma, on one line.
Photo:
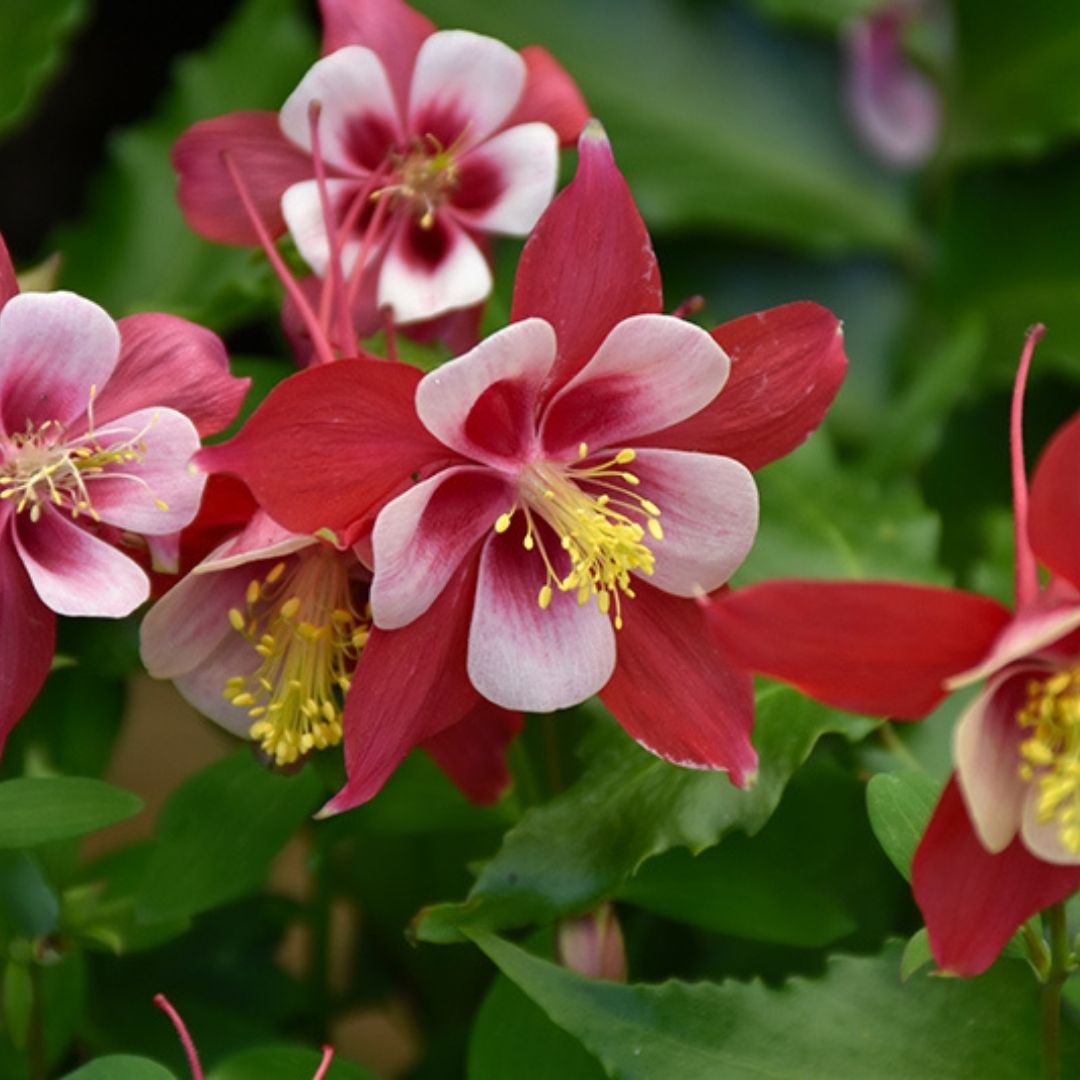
{"points": [[417, 142], [573, 474], [94, 451], [1004, 841]]}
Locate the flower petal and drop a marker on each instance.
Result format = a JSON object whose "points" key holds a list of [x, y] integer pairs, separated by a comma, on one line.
{"points": [[986, 749], [483, 404], [1043, 838], [787, 364], [172, 363], [358, 117], [303, 211], [676, 692], [267, 162], [53, 348], [551, 96], [420, 539], [261, 538], [9, 283], [429, 271], [875, 647], [709, 514], [328, 446], [464, 86], [28, 630], [473, 751], [1054, 515], [74, 572], [649, 372], [972, 901], [204, 685], [589, 263], [522, 657]]}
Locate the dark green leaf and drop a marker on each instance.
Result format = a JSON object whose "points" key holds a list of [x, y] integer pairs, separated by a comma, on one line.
{"points": [[283, 1063], [900, 805], [28, 907], [40, 809], [18, 1001], [826, 14], [121, 1067]]}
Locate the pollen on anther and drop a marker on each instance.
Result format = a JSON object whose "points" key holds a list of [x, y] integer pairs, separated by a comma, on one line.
{"points": [[236, 619], [502, 523], [544, 599]]}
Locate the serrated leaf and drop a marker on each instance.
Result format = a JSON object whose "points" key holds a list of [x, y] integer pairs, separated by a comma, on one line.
{"points": [[859, 1020], [900, 805], [283, 1062], [218, 833], [121, 1067], [38, 810], [566, 855]]}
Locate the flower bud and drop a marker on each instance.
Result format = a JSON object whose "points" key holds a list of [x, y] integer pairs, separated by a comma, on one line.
{"points": [[592, 945]]}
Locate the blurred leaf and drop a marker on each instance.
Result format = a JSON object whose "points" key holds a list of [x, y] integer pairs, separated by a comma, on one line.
{"points": [[724, 124], [826, 14], [41, 809], [33, 34], [1017, 91], [900, 805], [132, 250], [28, 907], [858, 1021], [218, 833], [569, 853], [121, 1067], [916, 954], [18, 1001], [283, 1063]]}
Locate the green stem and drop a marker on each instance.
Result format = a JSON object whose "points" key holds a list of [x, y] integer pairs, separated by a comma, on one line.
{"points": [[551, 753], [36, 1037], [1051, 991], [898, 748]]}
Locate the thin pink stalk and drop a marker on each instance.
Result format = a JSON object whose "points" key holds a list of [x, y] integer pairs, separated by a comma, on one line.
{"points": [[1027, 579], [389, 334], [365, 247], [163, 1003], [318, 338], [324, 1065]]}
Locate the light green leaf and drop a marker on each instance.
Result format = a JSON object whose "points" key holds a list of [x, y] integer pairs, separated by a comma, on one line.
{"points": [[916, 954], [900, 805], [41, 809], [18, 1001], [121, 1067], [283, 1063]]}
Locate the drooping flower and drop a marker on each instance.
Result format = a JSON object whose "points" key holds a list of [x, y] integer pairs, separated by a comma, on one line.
{"points": [[576, 472], [1004, 841], [414, 143], [98, 422]]}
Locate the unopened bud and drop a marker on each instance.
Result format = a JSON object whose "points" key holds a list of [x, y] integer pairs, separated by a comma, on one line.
{"points": [[593, 945]]}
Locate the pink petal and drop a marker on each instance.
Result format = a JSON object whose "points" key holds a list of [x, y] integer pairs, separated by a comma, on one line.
{"points": [[408, 686], [421, 538], [28, 630], [709, 514], [330, 445], [589, 263], [473, 751], [986, 748], [204, 685], [128, 495], [358, 117], [505, 184], [972, 901], [9, 283], [429, 271], [551, 96], [483, 404], [1054, 521], [676, 692], [74, 572], [650, 371], [172, 363], [522, 657], [787, 364], [390, 28], [1043, 838], [464, 86], [261, 538], [53, 348], [875, 647], [266, 160]]}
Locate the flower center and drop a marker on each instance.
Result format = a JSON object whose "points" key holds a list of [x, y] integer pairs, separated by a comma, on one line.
{"points": [[600, 522], [306, 629], [1051, 753], [427, 174]]}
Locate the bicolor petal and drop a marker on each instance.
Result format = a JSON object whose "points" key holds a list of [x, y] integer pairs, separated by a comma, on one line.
{"points": [[302, 208]]}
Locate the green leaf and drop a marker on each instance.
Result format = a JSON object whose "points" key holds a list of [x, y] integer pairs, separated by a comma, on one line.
{"points": [[567, 854], [857, 1021], [218, 833], [33, 34], [900, 805], [121, 1067], [41, 809], [283, 1063], [132, 250], [28, 907], [916, 954], [826, 14], [18, 1001]]}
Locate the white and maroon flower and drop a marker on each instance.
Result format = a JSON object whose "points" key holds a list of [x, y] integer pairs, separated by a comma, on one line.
{"points": [[414, 144]]}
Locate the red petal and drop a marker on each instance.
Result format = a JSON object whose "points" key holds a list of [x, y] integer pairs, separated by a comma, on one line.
{"points": [[28, 630], [589, 262], [1054, 514], [550, 96], [9, 284], [473, 752], [330, 445], [881, 648], [972, 901], [787, 364], [676, 692], [266, 160], [409, 685]]}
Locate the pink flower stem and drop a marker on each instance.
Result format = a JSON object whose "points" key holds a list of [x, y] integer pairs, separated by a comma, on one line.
{"points": [[1027, 580], [324, 1065], [163, 1003], [388, 331], [365, 248]]}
